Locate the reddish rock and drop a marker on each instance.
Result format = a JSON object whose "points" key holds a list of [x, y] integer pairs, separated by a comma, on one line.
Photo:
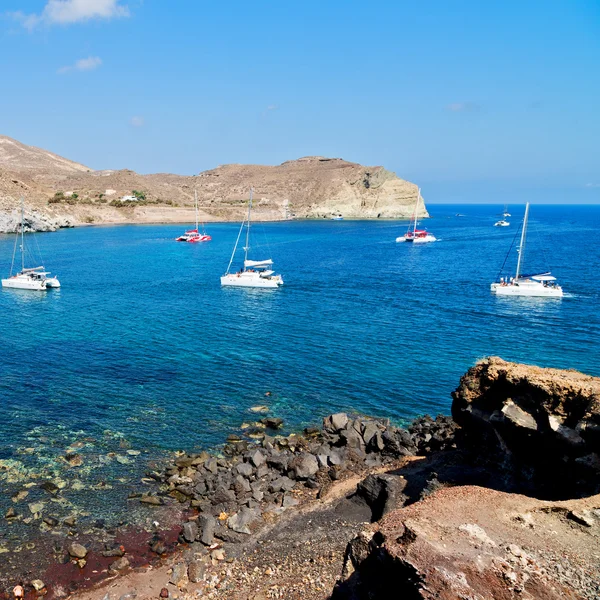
{"points": [[471, 542]]}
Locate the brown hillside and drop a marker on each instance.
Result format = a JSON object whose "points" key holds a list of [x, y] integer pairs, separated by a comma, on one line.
{"points": [[310, 187]]}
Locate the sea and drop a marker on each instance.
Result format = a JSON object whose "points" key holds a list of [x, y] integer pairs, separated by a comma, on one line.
{"points": [[142, 353]]}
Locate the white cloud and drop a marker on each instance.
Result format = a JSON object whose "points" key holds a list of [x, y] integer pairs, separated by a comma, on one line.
{"points": [[83, 64], [462, 107], [137, 121], [65, 12]]}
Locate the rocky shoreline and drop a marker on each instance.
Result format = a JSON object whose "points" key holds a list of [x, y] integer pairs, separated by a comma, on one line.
{"points": [[447, 508], [35, 221]]}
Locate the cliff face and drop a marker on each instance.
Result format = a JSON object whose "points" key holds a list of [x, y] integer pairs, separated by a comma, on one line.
{"points": [[310, 187]]}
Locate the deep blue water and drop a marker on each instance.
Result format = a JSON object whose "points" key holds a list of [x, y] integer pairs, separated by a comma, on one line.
{"points": [[142, 343]]}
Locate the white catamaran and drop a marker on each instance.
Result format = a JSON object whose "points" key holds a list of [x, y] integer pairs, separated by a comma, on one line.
{"points": [[35, 278], [254, 273], [542, 285], [414, 235]]}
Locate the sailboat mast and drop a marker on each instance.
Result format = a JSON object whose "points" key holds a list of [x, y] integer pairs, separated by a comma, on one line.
{"points": [[196, 204], [522, 243], [22, 234], [416, 211], [248, 228]]}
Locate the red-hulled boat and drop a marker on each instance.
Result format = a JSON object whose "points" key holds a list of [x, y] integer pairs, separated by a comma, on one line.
{"points": [[193, 236]]}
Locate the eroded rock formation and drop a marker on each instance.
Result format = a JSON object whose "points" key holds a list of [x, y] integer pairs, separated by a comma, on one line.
{"points": [[453, 526], [542, 425]]}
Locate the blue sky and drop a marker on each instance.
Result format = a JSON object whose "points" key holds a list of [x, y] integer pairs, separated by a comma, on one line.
{"points": [[475, 101]]}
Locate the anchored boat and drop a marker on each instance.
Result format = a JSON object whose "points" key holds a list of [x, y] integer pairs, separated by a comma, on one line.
{"points": [[542, 285], [254, 273], [414, 235], [193, 236], [32, 278]]}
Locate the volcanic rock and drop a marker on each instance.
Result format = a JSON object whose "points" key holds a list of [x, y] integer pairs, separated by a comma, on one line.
{"points": [[540, 424]]}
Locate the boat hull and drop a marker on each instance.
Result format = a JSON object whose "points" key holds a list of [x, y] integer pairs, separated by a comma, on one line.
{"points": [[52, 282], [532, 289], [417, 240], [253, 280], [21, 283]]}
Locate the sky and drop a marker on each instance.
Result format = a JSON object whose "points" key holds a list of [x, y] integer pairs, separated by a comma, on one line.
{"points": [[474, 101]]}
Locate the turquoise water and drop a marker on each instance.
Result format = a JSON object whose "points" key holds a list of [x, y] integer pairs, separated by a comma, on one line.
{"points": [[141, 344]]}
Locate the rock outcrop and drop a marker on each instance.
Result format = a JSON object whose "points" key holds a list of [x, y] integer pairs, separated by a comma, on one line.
{"points": [[442, 535], [480, 544], [541, 425], [310, 187]]}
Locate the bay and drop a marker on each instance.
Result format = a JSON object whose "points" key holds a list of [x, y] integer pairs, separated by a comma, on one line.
{"points": [[142, 343]]}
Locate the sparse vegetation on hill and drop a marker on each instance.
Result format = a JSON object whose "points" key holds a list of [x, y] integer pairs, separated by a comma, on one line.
{"points": [[310, 187]]}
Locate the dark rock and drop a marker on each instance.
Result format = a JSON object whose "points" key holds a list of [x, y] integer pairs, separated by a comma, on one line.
{"points": [[282, 484], [257, 458], [353, 439], [206, 525], [382, 493], [530, 423], [223, 496], [262, 471], [190, 531], [70, 521], [272, 422], [51, 521], [211, 465], [11, 513], [335, 458], [231, 537], [164, 593], [304, 466], [200, 488], [278, 461], [245, 469], [50, 487], [369, 430], [336, 422]]}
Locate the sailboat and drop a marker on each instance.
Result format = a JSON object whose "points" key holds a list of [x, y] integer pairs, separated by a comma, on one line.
{"points": [[503, 222], [194, 236], [541, 285], [414, 235], [33, 278], [254, 273]]}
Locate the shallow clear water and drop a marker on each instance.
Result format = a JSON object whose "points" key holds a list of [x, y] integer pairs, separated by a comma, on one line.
{"points": [[142, 344]]}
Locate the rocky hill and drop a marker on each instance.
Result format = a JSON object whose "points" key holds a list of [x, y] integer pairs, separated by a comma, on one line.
{"points": [[64, 192]]}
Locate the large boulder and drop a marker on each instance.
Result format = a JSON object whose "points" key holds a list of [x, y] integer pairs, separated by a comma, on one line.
{"points": [[305, 466], [472, 542], [543, 424]]}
